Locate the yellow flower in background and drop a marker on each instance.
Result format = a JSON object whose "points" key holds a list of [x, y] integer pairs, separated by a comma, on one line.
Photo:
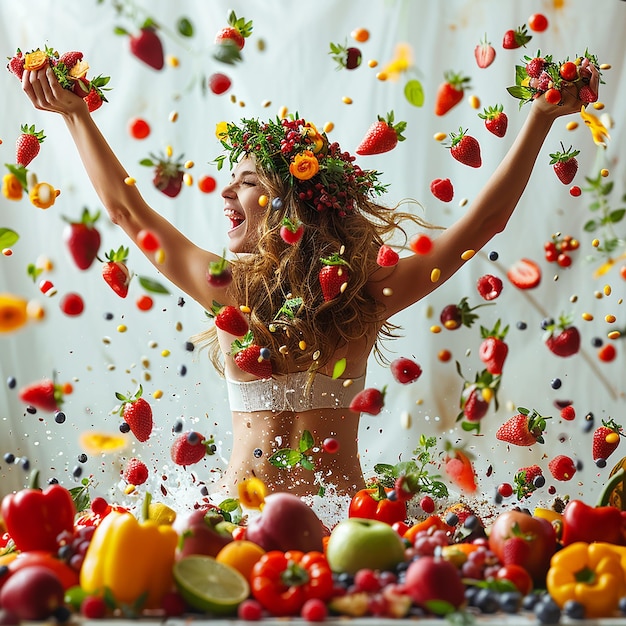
{"points": [[12, 312], [11, 187], [401, 62], [304, 165], [221, 130], [597, 128], [43, 195]]}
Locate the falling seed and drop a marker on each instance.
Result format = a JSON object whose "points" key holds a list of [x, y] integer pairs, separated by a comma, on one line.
{"points": [[587, 317], [598, 295], [604, 172], [598, 106], [347, 382], [272, 328], [607, 290], [152, 344], [463, 202], [282, 112], [130, 181], [343, 287], [129, 489], [387, 291], [145, 361], [172, 60], [165, 353], [188, 165], [595, 243], [122, 328], [474, 101], [233, 98], [468, 254], [157, 394], [245, 308], [347, 100], [614, 334], [106, 340], [266, 103], [7, 251], [316, 355], [159, 256], [169, 151], [429, 311], [605, 66], [435, 275], [439, 136], [283, 350], [571, 125], [610, 319], [405, 420], [382, 76], [302, 345], [188, 179], [372, 63], [329, 127], [173, 116], [435, 329]]}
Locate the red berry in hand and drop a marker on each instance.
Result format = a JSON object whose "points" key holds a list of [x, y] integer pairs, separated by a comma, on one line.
{"points": [[568, 71], [553, 96], [219, 83]]}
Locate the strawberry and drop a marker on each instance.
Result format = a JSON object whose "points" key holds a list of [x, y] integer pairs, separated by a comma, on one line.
{"points": [[565, 164], [527, 480], [454, 316], [370, 400], [135, 472], [387, 256], [218, 273], [333, 276], [147, 47], [115, 272], [405, 370], [484, 53], [524, 274], [515, 550], [291, 232], [137, 413], [219, 83], [450, 92], [382, 136], [474, 405], [535, 66], [93, 100], [236, 32], [229, 319], [523, 429], [82, 239], [70, 59], [606, 438], [44, 395], [561, 338], [442, 189], [189, 448], [250, 357], [16, 64], [496, 121], [493, 350], [465, 149], [345, 57], [28, 144], [489, 287], [586, 94], [517, 38], [562, 467], [168, 173]]}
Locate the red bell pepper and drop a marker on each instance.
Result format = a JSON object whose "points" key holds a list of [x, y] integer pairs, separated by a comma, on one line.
{"points": [[373, 503], [283, 581], [35, 518], [583, 522]]}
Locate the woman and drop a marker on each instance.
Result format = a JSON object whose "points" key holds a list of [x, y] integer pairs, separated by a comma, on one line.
{"points": [[311, 347]]}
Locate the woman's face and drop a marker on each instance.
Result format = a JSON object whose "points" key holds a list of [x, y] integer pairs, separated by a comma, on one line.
{"points": [[242, 207]]}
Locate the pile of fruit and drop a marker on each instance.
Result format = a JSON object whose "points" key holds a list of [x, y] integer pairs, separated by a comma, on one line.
{"points": [[108, 561]]}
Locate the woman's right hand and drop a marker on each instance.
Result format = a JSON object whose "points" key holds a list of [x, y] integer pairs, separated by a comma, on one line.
{"points": [[45, 92]]}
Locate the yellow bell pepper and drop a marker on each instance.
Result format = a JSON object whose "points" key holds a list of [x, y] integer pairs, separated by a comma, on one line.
{"points": [[590, 573], [132, 559]]}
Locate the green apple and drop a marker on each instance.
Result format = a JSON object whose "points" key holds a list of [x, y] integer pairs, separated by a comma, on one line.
{"points": [[357, 543]]}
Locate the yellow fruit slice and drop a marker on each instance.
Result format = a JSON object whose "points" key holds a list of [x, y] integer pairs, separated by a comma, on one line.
{"points": [[35, 60], [208, 585], [101, 443]]}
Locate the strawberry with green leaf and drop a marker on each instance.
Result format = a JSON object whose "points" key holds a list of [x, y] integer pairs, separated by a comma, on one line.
{"points": [[493, 350], [115, 271], [476, 397], [524, 429], [28, 144], [333, 276], [382, 136], [168, 173], [465, 148], [250, 357], [565, 164], [450, 92], [237, 31], [44, 394], [229, 319], [562, 338], [137, 413]]}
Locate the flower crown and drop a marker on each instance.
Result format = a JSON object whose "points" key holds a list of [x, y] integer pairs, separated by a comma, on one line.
{"points": [[325, 177]]}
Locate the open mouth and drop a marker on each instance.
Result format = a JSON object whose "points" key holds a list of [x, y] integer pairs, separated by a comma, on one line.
{"points": [[236, 219]]}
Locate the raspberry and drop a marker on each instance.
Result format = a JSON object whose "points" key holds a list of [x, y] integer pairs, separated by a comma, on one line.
{"points": [[136, 472], [534, 67], [489, 287], [568, 413], [442, 189], [219, 83]]}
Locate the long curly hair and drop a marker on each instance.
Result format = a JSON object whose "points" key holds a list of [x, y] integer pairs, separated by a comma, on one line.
{"points": [[279, 282]]}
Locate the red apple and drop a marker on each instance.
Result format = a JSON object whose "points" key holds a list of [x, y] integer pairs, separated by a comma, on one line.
{"points": [[435, 584], [287, 523], [523, 539], [199, 535], [357, 543], [33, 593]]}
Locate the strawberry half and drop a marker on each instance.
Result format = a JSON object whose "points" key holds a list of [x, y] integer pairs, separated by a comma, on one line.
{"points": [[44, 395], [484, 53], [115, 272], [382, 136], [524, 274]]}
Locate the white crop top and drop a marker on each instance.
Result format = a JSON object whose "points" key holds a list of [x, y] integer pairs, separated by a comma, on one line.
{"points": [[296, 391]]}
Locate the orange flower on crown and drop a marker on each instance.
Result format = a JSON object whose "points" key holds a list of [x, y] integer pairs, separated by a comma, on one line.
{"points": [[304, 165]]}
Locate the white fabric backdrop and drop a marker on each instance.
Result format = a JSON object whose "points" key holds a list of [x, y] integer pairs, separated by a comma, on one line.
{"points": [[294, 70]]}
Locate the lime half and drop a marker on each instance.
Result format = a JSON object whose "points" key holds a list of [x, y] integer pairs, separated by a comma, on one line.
{"points": [[208, 585]]}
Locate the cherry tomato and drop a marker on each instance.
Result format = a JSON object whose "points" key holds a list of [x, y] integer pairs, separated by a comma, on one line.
{"points": [[138, 128], [538, 22], [207, 184], [553, 96], [568, 71], [144, 302], [517, 575], [607, 353], [575, 191], [360, 34], [147, 240]]}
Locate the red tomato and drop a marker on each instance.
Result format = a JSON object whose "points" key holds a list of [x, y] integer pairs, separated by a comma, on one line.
{"points": [[207, 184], [538, 22], [517, 575], [66, 574], [144, 302], [568, 71], [138, 128], [553, 96]]}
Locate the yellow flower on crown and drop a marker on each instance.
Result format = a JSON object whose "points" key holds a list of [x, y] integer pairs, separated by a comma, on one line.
{"points": [[304, 165], [312, 134], [11, 187], [221, 130]]}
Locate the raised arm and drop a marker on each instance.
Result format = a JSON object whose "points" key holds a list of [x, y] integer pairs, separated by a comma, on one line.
{"points": [[488, 214], [184, 263]]}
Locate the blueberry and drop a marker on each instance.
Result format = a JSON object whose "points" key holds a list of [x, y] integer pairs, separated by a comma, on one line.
{"points": [[53, 481], [510, 601], [556, 383], [471, 522], [9, 458], [31, 409], [588, 423], [189, 346], [539, 481], [182, 370], [530, 601], [258, 453], [59, 417], [178, 426], [596, 342], [547, 611], [546, 322], [601, 463], [77, 471], [622, 605], [522, 325], [192, 438], [11, 382], [277, 204], [25, 463], [204, 491], [265, 353], [486, 600], [108, 316], [493, 255], [574, 609], [452, 519], [82, 458], [4, 570], [124, 427]]}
